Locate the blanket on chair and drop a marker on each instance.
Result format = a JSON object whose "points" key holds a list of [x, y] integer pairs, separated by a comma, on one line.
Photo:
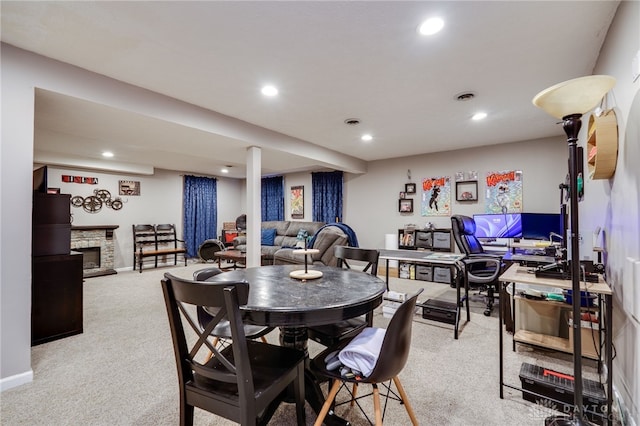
{"points": [[351, 235], [361, 354]]}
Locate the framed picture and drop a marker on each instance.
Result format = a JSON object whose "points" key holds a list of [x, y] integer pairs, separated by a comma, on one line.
{"points": [[297, 202], [405, 205], [129, 187], [467, 190], [402, 195], [410, 188]]}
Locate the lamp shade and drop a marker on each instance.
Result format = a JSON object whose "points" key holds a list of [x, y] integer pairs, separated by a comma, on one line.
{"points": [[575, 96]]}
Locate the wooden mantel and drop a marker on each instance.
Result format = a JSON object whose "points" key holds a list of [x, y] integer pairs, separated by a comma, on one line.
{"points": [[85, 227]]}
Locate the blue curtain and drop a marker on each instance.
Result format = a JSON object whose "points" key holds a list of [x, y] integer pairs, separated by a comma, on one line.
{"points": [[273, 198], [200, 211], [327, 196]]}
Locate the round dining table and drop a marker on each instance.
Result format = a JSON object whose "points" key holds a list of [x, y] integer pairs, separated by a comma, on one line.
{"points": [[278, 300]]}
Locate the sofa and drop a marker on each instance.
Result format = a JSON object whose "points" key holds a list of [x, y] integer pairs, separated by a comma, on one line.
{"points": [[286, 233], [325, 241]]}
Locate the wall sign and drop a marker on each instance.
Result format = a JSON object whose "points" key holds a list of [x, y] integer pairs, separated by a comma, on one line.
{"points": [[80, 179]]}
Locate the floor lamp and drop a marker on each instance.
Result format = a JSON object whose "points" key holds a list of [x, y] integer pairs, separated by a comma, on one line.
{"points": [[568, 101]]}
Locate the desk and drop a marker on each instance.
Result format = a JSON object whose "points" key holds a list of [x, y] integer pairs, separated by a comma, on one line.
{"points": [[433, 258], [517, 274], [277, 300]]}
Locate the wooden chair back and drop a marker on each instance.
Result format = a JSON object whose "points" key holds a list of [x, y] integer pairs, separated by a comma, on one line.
{"points": [[370, 256], [224, 384]]}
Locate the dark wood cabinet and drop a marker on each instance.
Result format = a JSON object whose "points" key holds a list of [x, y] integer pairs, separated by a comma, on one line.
{"points": [[56, 272], [56, 297], [51, 222]]}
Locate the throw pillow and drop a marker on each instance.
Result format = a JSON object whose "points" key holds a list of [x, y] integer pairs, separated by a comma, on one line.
{"points": [[268, 237]]}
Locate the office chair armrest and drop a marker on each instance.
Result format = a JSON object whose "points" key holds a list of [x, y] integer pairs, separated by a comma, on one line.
{"points": [[489, 275], [484, 255]]}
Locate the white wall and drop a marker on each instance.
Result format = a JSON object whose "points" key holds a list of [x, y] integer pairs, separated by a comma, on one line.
{"points": [[371, 200], [298, 179], [16, 161], [614, 203]]}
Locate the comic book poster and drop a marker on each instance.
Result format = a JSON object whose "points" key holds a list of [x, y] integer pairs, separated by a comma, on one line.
{"points": [[436, 196], [504, 192]]}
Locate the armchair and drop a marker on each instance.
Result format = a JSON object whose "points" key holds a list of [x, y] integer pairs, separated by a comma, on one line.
{"points": [[483, 268]]}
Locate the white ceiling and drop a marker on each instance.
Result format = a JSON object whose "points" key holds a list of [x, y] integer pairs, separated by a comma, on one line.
{"points": [[331, 60]]}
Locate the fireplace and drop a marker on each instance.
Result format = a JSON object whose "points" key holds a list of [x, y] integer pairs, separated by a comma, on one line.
{"points": [[90, 257], [97, 246]]}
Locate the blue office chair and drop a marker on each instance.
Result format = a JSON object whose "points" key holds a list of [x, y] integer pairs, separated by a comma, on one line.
{"points": [[483, 269]]}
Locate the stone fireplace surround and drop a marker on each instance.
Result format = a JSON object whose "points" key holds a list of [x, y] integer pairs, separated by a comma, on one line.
{"points": [[101, 236]]}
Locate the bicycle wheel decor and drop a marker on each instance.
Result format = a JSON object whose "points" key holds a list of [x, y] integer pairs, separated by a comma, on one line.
{"points": [[94, 203]]}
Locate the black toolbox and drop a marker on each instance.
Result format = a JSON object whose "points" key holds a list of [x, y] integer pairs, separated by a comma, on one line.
{"points": [[559, 387], [439, 310]]}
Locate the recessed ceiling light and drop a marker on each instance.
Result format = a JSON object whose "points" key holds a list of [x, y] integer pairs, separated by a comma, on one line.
{"points": [[431, 26], [479, 116], [269, 91], [107, 154], [366, 137], [351, 121], [224, 170]]}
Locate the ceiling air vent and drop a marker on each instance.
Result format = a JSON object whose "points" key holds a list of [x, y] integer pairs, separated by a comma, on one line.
{"points": [[465, 96]]}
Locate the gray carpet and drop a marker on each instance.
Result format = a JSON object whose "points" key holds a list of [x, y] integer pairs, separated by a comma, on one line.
{"points": [[121, 370]]}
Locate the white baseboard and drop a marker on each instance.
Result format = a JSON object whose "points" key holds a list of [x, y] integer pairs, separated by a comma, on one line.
{"points": [[15, 381]]}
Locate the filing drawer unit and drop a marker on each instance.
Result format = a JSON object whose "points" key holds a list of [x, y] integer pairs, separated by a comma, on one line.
{"points": [[424, 273], [442, 274]]}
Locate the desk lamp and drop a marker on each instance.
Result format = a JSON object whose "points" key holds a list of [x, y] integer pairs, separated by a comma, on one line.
{"points": [[568, 101]]}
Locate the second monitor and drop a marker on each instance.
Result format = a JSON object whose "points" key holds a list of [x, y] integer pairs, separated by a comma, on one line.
{"points": [[508, 225]]}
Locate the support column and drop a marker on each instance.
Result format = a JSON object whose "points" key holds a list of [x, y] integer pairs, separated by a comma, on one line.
{"points": [[254, 209]]}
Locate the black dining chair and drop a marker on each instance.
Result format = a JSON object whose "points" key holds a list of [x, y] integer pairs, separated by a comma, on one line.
{"points": [[392, 358], [223, 329], [332, 334], [243, 381]]}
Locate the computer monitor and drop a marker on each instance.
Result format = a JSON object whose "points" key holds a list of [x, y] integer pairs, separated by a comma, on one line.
{"points": [[507, 225], [539, 226]]}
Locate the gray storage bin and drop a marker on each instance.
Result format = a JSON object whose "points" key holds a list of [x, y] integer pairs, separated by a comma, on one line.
{"points": [[424, 239], [424, 273], [442, 274], [441, 240]]}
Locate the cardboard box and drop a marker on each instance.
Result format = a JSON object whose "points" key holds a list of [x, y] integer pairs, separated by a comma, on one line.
{"points": [[589, 338]]}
